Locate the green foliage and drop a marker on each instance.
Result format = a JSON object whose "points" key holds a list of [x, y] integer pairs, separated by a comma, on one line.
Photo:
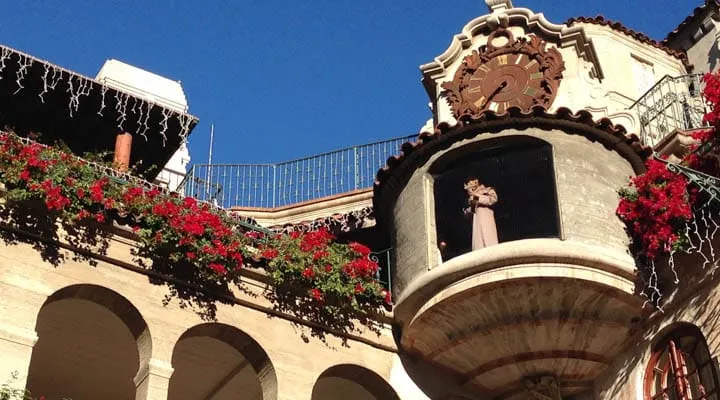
{"points": [[198, 246]]}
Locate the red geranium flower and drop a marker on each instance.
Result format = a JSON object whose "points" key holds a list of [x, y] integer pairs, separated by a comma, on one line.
{"points": [[316, 294], [308, 273], [218, 268]]}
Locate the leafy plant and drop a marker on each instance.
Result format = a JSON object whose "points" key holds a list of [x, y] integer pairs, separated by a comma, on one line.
{"points": [[198, 245], [659, 203]]}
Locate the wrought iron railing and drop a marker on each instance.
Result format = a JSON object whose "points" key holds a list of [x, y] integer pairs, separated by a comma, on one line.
{"points": [[674, 103], [290, 182], [384, 260]]}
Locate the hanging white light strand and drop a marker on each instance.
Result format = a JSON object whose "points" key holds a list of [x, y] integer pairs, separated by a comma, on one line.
{"points": [[4, 56], [143, 113], [25, 63], [185, 123], [81, 87], [166, 114], [652, 291], [103, 91], [121, 100], [49, 81]]}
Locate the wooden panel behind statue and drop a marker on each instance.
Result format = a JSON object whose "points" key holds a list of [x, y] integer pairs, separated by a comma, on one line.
{"points": [[480, 200]]}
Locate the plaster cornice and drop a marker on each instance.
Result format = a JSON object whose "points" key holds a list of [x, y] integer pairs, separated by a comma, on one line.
{"points": [[565, 36]]}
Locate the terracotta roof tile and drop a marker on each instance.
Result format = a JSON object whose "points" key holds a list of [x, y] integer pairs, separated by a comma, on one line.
{"points": [[392, 178], [697, 12], [639, 36]]}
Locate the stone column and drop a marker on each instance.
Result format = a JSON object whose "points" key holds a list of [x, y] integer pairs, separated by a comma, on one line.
{"points": [[123, 147], [16, 346], [153, 380]]}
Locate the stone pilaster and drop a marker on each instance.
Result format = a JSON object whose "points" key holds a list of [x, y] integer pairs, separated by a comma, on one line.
{"points": [[153, 380], [16, 346]]}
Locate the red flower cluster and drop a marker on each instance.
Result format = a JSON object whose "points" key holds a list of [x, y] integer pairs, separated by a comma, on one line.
{"points": [[659, 203], [54, 199], [361, 249], [315, 240], [712, 96], [329, 270], [203, 234], [657, 209], [183, 233], [269, 253], [361, 267]]}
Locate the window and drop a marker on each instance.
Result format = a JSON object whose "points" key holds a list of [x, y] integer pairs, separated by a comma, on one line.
{"points": [[520, 169], [644, 75], [681, 368]]}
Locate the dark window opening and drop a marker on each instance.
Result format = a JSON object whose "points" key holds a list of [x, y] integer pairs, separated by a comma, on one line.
{"points": [[682, 368], [521, 171]]}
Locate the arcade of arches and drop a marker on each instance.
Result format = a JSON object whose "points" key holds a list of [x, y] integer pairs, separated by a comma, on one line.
{"points": [[94, 344], [102, 332]]}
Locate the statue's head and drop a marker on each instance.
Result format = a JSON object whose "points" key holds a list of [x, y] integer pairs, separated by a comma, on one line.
{"points": [[471, 183]]}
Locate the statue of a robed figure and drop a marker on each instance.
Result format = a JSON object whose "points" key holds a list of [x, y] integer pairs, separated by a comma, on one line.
{"points": [[480, 200]]}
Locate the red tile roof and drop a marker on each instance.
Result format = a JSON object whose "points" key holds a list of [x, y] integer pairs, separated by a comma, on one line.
{"points": [[697, 12], [639, 36]]}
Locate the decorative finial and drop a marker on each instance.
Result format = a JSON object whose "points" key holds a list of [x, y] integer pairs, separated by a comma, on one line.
{"points": [[498, 5]]}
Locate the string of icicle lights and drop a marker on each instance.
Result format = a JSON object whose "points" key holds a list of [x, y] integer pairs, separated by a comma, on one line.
{"points": [[699, 234], [79, 87]]}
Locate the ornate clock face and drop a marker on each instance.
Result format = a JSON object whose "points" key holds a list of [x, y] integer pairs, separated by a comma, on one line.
{"points": [[522, 73], [506, 80]]}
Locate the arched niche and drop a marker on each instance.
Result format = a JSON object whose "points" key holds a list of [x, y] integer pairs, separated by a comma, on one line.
{"points": [[92, 342], [520, 169], [220, 362], [352, 382]]}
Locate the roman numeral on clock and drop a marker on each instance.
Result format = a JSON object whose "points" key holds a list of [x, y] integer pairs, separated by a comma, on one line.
{"points": [[530, 91], [536, 75]]}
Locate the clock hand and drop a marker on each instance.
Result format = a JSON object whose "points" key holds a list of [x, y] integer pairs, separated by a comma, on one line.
{"points": [[495, 92]]}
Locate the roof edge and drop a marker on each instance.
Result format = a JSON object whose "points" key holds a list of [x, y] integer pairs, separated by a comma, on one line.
{"points": [[391, 179], [639, 36]]}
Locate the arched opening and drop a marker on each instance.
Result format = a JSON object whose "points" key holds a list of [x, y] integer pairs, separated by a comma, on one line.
{"points": [[220, 362], [91, 343], [681, 367], [520, 171], [352, 382]]}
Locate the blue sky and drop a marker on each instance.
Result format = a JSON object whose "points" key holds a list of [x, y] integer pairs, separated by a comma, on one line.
{"points": [[285, 79]]}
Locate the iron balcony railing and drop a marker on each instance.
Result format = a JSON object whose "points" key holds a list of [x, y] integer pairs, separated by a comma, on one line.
{"points": [[290, 182], [674, 103]]}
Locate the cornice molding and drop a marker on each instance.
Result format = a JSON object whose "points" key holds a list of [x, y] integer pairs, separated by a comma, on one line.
{"points": [[565, 36]]}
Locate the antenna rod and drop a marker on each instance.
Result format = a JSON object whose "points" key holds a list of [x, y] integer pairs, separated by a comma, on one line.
{"points": [[209, 170], [212, 136]]}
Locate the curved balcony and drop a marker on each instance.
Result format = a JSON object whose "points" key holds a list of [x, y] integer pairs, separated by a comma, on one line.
{"points": [[550, 305], [505, 314]]}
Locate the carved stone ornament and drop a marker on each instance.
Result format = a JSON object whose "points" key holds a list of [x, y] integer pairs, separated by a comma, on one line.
{"points": [[519, 73], [543, 388]]}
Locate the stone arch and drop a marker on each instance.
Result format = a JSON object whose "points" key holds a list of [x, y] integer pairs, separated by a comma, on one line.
{"points": [[521, 170], [92, 343], [215, 360], [352, 382]]}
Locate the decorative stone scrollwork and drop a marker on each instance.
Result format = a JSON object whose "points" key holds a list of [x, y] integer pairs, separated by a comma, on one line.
{"points": [[522, 73], [335, 224], [543, 388], [498, 5]]}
